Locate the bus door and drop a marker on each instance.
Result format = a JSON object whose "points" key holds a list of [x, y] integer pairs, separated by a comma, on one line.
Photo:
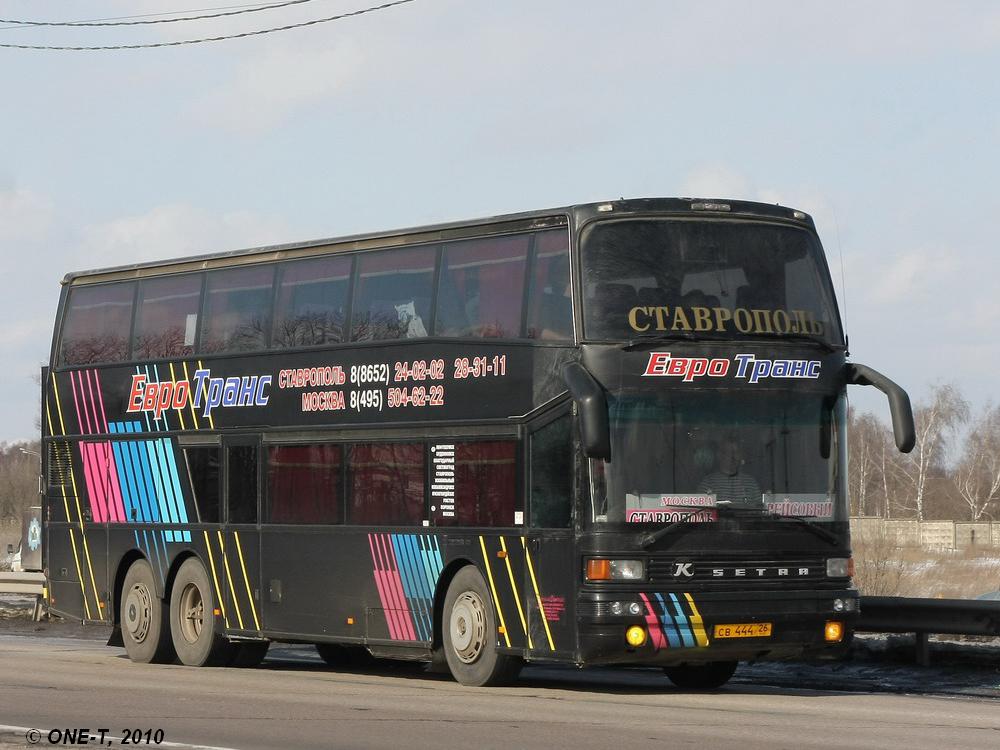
{"points": [[549, 558], [237, 544]]}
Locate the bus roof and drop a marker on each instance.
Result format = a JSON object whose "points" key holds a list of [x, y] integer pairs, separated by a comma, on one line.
{"points": [[446, 231]]}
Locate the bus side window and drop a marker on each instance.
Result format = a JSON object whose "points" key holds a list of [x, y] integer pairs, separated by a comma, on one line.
{"points": [[482, 287], [241, 483], [203, 473], [238, 309], [386, 484], [552, 475], [167, 317], [312, 299], [97, 322], [483, 477], [304, 484], [550, 310], [392, 296]]}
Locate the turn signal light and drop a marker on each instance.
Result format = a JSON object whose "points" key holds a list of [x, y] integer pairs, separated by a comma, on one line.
{"points": [[598, 570], [834, 631], [635, 636]]}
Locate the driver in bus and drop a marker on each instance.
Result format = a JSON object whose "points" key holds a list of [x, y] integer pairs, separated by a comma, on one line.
{"points": [[728, 482]]}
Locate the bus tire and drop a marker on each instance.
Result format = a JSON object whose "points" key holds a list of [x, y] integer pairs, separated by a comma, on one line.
{"points": [[249, 653], [706, 676], [469, 632], [192, 619], [344, 657], [144, 623]]}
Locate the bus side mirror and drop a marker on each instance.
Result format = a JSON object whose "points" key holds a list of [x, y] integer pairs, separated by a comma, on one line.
{"points": [[899, 403], [593, 406]]}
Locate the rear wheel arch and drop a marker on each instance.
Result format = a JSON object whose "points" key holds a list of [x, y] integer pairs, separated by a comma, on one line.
{"points": [[444, 580]]}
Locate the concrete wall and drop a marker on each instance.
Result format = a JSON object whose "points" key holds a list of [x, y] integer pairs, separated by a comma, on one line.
{"points": [[929, 534]]}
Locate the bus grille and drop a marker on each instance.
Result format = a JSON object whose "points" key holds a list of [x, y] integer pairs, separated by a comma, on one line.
{"points": [[60, 463], [741, 574]]}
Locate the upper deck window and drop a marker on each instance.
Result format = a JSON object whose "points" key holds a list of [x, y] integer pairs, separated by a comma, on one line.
{"points": [[393, 295], [97, 322], [312, 299], [482, 287], [648, 277], [167, 317], [550, 311], [238, 309]]}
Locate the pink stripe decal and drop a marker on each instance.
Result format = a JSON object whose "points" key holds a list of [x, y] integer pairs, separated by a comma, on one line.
{"points": [[84, 428], [101, 488], [91, 482], [655, 631], [395, 588], [100, 399], [116, 507], [383, 591], [398, 583]]}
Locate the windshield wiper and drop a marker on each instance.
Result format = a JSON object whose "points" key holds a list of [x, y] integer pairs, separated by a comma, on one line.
{"points": [[647, 539], [810, 525], [804, 337], [665, 338]]}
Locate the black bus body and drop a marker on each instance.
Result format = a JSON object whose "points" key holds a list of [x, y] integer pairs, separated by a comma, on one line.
{"points": [[605, 434]]}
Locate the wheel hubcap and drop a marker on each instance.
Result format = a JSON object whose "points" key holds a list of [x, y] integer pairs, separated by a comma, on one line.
{"points": [[468, 626], [138, 612], [192, 613]]}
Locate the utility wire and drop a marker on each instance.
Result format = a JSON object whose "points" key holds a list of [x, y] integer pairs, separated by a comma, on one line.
{"points": [[116, 22], [361, 12]]}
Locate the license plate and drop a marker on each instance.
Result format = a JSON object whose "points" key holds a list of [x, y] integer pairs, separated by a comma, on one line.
{"points": [[744, 630]]}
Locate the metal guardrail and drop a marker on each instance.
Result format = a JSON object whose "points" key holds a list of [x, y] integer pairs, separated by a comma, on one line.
{"points": [[897, 614], [31, 584]]}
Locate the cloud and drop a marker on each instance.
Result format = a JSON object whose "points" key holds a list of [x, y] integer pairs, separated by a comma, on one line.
{"points": [[268, 89], [174, 231], [715, 181], [910, 275], [25, 216]]}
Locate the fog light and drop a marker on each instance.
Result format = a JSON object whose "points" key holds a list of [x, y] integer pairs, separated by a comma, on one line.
{"points": [[834, 631], [635, 608], [635, 636], [617, 608]]}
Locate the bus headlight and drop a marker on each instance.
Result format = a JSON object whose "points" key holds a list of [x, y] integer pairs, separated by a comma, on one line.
{"points": [[839, 567], [600, 569]]}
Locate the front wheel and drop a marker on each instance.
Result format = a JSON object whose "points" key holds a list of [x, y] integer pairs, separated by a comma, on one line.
{"points": [[192, 619], [707, 676], [144, 624], [469, 631]]}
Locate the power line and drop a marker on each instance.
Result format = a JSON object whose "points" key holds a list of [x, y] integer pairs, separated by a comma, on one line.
{"points": [[361, 12], [118, 22]]}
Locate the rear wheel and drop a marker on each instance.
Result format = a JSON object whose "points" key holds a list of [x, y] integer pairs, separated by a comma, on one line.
{"points": [[144, 623], [192, 619], [469, 631], [707, 676]]}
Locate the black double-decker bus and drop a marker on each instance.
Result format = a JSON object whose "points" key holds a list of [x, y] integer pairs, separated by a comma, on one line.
{"points": [[604, 434]]}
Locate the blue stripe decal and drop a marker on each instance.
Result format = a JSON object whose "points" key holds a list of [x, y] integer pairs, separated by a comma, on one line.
{"points": [[427, 563], [152, 461], [669, 627], [682, 622], [143, 480], [164, 486], [436, 558], [129, 494], [425, 593], [175, 483], [404, 577], [411, 582]]}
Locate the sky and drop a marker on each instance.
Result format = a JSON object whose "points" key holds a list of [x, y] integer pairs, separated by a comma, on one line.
{"points": [[881, 120]]}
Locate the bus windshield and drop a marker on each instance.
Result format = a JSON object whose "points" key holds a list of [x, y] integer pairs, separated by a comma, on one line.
{"points": [[689, 457], [659, 277]]}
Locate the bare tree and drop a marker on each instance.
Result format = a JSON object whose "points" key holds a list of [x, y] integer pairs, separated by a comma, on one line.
{"points": [[978, 473], [936, 423], [866, 439], [18, 479]]}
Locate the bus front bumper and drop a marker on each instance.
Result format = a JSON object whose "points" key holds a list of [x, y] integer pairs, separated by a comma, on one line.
{"points": [[671, 628]]}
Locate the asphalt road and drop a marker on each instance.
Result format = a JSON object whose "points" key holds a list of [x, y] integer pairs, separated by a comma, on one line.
{"points": [[53, 683]]}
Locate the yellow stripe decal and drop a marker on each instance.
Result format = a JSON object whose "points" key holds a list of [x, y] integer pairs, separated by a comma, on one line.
{"points": [[699, 626], [246, 580], [79, 513], [229, 577], [493, 589], [72, 536], [204, 390], [215, 580], [513, 586], [194, 414], [173, 381], [538, 597]]}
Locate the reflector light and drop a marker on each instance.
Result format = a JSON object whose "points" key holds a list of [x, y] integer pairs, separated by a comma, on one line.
{"points": [[598, 570], [635, 636], [834, 631]]}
